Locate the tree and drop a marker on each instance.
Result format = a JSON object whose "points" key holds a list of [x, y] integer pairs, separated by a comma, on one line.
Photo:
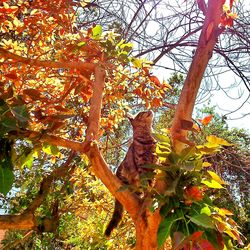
{"points": [[171, 44], [63, 86]]}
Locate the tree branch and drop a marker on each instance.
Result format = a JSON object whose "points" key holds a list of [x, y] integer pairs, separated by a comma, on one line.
{"points": [[81, 147], [95, 105], [50, 64], [207, 41], [100, 167], [129, 200]]}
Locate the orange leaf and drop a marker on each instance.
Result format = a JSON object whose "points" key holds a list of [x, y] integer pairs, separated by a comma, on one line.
{"points": [[155, 80], [146, 70], [193, 193], [206, 120], [196, 127], [156, 102]]}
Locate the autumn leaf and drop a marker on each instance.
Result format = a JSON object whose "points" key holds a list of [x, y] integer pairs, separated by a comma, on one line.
{"points": [[12, 75], [212, 184], [32, 93], [155, 80], [193, 193], [216, 141], [156, 102], [206, 120], [216, 177], [186, 125]]}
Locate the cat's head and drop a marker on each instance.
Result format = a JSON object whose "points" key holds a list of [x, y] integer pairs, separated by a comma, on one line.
{"points": [[144, 118]]}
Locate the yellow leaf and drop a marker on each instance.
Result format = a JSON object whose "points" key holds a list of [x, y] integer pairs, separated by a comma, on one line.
{"points": [[164, 83], [16, 22], [212, 184], [5, 5], [216, 177], [224, 212], [206, 164], [214, 140]]}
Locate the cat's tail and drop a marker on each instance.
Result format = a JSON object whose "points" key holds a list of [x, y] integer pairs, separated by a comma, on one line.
{"points": [[116, 218]]}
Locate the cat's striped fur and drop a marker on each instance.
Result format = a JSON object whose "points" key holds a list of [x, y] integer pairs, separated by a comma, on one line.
{"points": [[140, 152]]}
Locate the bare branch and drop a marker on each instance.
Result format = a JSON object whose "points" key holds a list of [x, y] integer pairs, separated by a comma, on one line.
{"points": [[129, 200], [81, 147], [50, 64], [95, 105]]}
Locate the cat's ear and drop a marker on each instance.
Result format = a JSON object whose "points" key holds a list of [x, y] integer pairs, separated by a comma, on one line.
{"points": [[130, 117]]}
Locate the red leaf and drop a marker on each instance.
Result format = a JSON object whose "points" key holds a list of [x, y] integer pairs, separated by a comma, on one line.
{"points": [[231, 3], [156, 102], [196, 235], [193, 193], [205, 244], [12, 75], [155, 80], [32, 93]]}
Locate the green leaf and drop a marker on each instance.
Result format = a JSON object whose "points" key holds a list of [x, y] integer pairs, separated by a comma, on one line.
{"points": [[161, 138], [173, 158], [154, 166], [6, 180], [187, 153], [202, 220], [124, 188], [188, 166], [212, 184], [8, 124], [127, 47], [171, 186], [81, 44], [206, 210], [164, 230], [27, 160], [3, 107], [96, 32], [51, 150], [21, 114]]}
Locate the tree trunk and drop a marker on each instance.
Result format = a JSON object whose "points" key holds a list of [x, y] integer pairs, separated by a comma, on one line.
{"points": [[204, 51], [146, 230]]}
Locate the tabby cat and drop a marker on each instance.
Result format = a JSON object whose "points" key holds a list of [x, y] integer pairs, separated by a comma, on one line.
{"points": [[140, 152]]}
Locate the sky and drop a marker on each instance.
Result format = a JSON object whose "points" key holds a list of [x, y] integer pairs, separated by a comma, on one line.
{"points": [[225, 101]]}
